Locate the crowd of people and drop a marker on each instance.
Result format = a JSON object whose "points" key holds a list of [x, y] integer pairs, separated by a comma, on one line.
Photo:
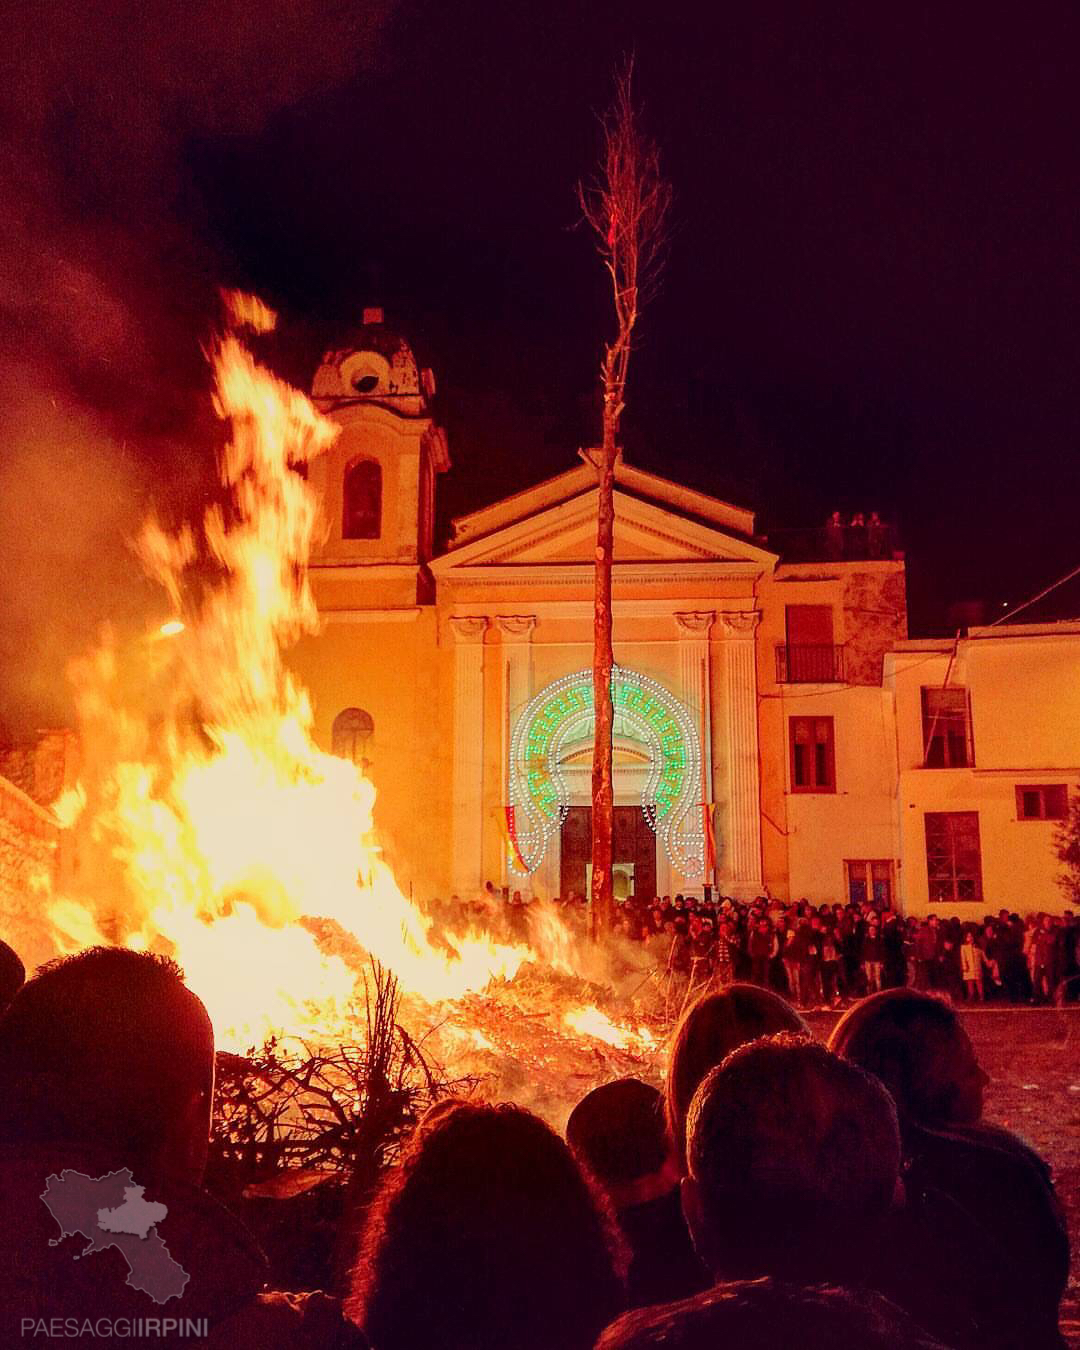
{"points": [[774, 1192], [830, 954], [825, 956], [822, 955]]}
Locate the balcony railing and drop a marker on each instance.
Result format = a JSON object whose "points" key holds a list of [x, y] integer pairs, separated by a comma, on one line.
{"points": [[809, 663]]}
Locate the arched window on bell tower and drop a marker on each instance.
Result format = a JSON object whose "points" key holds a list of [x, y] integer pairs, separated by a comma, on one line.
{"points": [[350, 734], [362, 500]]}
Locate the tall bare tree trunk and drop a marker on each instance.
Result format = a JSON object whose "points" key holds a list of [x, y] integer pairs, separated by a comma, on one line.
{"points": [[626, 208], [603, 791]]}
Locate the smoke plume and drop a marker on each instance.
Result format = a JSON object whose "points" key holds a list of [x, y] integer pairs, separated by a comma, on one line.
{"points": [[109, 275]]}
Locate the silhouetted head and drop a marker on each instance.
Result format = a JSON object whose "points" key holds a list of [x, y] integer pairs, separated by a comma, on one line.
{"points": [[916, 1045], [618, 1133], [437, 1110], [12, 975], [793, 1159], [768, 1315], [110, 1050], [708, 1032], [486, 1234]]}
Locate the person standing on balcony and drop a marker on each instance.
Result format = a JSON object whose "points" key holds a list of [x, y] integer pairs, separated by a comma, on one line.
{"points": [[856, 539], [834, 536], [877, 533]]}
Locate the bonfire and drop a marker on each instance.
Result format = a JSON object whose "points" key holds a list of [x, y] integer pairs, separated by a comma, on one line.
{"points": [[207, 823]]}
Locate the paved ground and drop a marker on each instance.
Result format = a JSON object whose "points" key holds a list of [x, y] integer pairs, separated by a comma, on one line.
{"points": [[1033, 1058]]}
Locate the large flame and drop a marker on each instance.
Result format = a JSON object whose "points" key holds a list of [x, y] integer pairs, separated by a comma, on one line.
{"points": [[211, 825], [208, 824]]}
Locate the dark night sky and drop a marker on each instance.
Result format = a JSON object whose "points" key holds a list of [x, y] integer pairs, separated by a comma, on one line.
{"points": [[872, 299]]}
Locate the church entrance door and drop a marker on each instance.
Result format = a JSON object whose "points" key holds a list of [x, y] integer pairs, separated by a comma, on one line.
{"points": [[634, 851]]}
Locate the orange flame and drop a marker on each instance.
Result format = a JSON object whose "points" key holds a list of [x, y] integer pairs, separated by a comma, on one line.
{"points": [[591, 1021], [212, 826]]}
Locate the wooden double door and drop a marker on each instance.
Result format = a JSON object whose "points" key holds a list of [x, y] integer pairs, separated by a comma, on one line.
{"points": [[634, 846]]}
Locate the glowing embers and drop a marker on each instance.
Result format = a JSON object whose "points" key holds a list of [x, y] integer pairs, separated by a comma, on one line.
{"points": [[562, 714]]}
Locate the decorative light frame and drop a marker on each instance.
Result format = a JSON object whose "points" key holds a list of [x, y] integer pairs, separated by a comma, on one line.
{"points": [[561, 713]]}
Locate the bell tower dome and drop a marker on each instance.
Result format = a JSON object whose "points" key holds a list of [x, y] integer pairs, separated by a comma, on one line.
{"points": [[376, 485]]}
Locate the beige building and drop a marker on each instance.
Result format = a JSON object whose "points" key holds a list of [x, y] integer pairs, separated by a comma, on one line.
{"points": [[988, 748], [755, 738]]}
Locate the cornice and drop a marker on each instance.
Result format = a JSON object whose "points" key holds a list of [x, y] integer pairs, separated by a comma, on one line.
{"points": [[579, 574], [407, 614], [354, 571]]}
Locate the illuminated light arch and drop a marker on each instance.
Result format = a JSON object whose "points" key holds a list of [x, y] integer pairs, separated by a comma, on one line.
{"points": [[562, 714]]}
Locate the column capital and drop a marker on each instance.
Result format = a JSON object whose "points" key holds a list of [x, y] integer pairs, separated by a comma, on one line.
{"points": [[516, 626], [739, 623], [468, 628], [695, 623]]}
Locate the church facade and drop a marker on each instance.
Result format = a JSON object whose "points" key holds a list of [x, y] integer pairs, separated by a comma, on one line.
{"points": [[755, 736]]}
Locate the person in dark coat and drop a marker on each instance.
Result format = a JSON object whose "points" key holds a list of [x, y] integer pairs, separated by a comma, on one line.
{"points": [[761, 945], [617, 1132], [850, 933], [927, 944], [916, 1044], [1014, 970], [894, 941], [793, 1164]]}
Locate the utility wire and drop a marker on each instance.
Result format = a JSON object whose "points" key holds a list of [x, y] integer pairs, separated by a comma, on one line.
{"points": [[1028, 603]]}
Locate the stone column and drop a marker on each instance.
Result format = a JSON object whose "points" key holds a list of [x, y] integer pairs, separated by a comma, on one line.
{"points": [[516, 632], [694, 685], [467, 830], [743, 845]]}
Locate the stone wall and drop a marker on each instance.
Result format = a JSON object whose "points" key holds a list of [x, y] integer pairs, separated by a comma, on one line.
{"points": [[875, 619], [42, 766], [29, 838]]}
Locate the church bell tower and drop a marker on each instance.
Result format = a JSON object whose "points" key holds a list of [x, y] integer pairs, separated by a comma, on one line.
{"points": [[376, 484]]}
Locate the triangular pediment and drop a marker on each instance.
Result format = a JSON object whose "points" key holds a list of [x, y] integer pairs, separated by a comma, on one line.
{"points": [[568, 486], [564, 534]]}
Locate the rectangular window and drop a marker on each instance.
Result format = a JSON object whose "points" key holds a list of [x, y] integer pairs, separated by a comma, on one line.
{"points": [[809, 625], [1045, 802], [813, 758], [953, 859], [946, 723], [870, 879], [810, 653]]}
